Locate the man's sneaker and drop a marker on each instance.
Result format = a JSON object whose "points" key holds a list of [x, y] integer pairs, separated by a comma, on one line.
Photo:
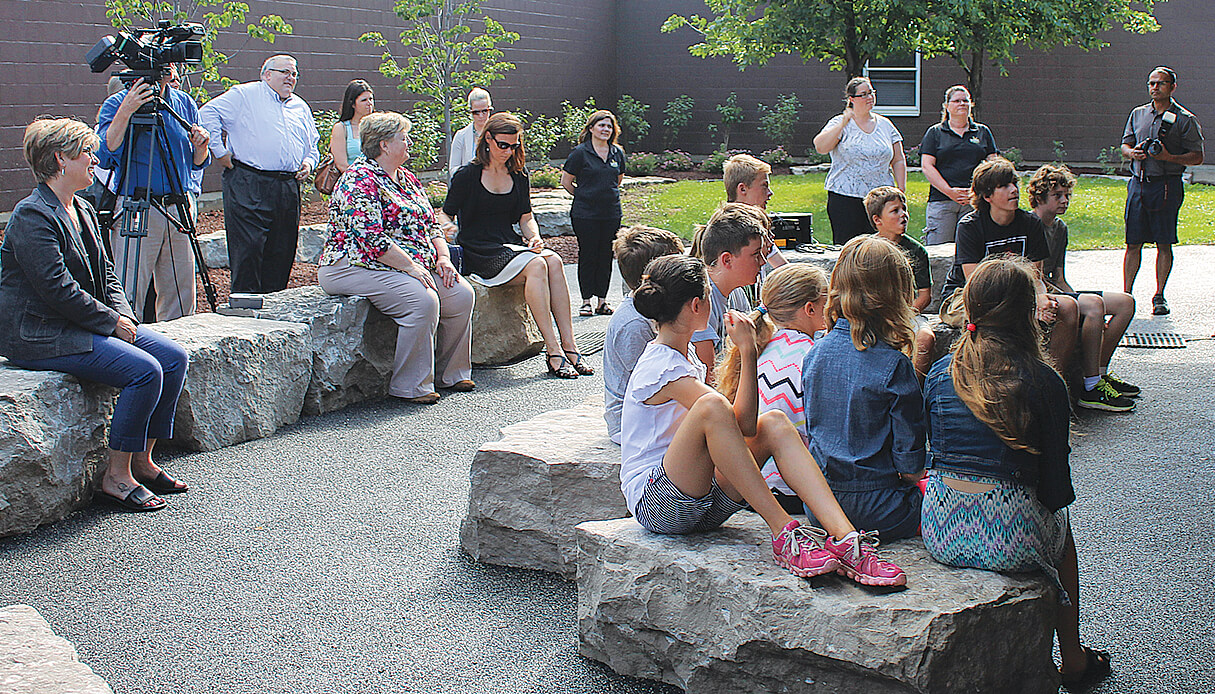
{"points": [[857, 554], [1160, 307], [1127, 390], [799, 548], [1103, 396]]}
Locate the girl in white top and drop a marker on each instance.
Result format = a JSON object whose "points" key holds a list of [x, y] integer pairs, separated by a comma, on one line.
{"points": [[793, 300], [689, 453], [866, 152]]}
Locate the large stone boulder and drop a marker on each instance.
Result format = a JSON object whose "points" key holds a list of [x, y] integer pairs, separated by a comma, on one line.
{"points": [[529, 490], [352, 344], [940, 260], [551, 209], [247, 378], [214, 246], [214, 249], [713, 613], [52, 445], [503, 329], [33, 660]]}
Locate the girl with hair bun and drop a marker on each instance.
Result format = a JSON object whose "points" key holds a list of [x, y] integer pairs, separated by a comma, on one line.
{"points": [[999, 482], [689, 453]]}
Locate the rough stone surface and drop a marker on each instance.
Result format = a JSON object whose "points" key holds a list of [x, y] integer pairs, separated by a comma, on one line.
{"points": [[352, 344], [644, 180], [503, 329], [247, 378], [52, 445], [940, 260], [529, 490], [33, 660], [214, 246], [551, 208], [713, 613]]}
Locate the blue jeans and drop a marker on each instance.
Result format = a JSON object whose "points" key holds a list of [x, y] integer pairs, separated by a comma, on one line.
{"points": [[150, 373]]}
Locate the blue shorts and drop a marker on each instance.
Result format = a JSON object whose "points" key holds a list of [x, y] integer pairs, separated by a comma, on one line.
{"points": [[1151, 209], [666, 510]]}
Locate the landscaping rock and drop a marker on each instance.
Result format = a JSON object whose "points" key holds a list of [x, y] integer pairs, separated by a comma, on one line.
{"points": [[503, 329], [551, 209], [529, 490], [712, 613], [940, 260], [247, 378], [214, 246], [644, 180], [52, 445], [33, 660], [352, 344]]}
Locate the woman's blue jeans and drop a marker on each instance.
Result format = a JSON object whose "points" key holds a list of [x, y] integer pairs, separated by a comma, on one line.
{"points": [[150, 373]]}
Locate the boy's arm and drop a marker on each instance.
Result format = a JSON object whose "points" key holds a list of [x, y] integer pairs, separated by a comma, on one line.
{"points": [[923, 297], [708, 356]]}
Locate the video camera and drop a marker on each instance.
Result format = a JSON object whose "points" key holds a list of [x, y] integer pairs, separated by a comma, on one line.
{"points": [[147, 53]]}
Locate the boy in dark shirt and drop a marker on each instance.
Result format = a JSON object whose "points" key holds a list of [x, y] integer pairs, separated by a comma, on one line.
{"points": [[887, 210]]}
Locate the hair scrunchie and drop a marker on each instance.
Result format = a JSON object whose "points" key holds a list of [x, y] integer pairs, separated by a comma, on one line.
{"points": [[763, 310], [972, 327]]}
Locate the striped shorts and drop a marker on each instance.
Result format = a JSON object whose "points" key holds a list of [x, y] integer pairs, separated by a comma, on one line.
{"points": [[665, 510]]}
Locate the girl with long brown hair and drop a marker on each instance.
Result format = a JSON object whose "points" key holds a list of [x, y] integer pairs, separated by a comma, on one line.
{"points": [[999, 482]]}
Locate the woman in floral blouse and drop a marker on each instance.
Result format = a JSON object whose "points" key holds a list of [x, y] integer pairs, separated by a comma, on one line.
{"points": [[384, 243]]}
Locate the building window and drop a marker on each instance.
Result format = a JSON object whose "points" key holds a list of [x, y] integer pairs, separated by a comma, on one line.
{"points": [[896, 79]]}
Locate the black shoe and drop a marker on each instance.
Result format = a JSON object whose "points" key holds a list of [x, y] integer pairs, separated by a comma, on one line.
{"points": [[1124, 389], [1104, 397], [1160, 307]]}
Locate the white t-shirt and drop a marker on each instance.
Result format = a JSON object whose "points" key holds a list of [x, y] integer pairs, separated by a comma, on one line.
{"points": [[861, 160], [646, 431]]}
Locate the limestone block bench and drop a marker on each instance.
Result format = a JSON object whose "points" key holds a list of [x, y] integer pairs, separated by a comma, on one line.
{"points": [[712, 613], [503, 329], [352, 344], [33, 660], [528, 491], [247, 378], [214, 246], [52, 445]]}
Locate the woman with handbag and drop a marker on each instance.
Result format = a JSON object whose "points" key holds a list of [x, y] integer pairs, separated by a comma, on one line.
{"points": [[344, 145]]}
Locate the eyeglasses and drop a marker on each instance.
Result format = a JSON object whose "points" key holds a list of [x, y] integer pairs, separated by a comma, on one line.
{"points": [[289, 73], [482, 111], [959, 101], [505, 145], [865, 95]]}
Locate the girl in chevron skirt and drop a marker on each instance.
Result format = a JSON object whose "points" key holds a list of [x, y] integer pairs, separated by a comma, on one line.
{"points": [[999, 482], [793, 300]]}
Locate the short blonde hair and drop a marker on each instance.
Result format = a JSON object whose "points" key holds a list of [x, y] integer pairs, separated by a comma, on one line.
{"points": [[46, 137], [742, 168], [377, 128], [872, 285]]}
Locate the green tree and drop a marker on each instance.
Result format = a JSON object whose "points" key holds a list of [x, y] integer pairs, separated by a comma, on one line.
{"points": [[678, 114], [633, 123], [445, 56], [574, 118], [780, 120], [214, 15], [975, 32], [845, 34], [731, 115]]}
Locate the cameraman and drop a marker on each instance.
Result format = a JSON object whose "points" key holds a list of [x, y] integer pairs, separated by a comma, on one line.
{"points": [[1161, 139], [165, 255]]}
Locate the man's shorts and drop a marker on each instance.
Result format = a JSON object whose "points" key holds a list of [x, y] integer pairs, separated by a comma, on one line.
{"points": [[664, 509], [1151, 209]]}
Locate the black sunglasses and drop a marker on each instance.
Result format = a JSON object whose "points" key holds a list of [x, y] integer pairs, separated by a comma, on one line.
{"points": [[505, 145]]}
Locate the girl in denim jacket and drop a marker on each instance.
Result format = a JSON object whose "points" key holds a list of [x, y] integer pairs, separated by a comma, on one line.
{"points": [[864, 408]]}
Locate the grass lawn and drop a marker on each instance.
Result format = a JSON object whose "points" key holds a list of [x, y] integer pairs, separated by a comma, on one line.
{"points": [[1094, 219]]}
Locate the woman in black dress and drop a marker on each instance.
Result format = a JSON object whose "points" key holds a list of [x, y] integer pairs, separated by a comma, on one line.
{"points": [[592, 174], [489, 196]]}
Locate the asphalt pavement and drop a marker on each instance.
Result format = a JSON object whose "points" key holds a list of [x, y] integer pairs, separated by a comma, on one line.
{"points": [[326, 558]]}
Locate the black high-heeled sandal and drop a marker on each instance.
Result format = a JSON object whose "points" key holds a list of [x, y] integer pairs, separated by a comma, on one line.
{"points": [[563, 368], [576, 362], [1096, 668]]}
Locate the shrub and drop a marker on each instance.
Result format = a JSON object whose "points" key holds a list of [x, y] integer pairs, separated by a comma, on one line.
{"points": [[436, 192], [633, 125], [715, 162], [1014, 155], [1110, 159], [675, 160], [913, 156], [427, 139], [546, 176], [678, 114], [731, 115], [813, 157], [541, 136], [777, 157], [641, 164], [574, 118], [779, 120]]}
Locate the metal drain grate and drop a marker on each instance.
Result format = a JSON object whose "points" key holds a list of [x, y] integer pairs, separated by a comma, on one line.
{"points": [[590, 341], [1153, 340]]}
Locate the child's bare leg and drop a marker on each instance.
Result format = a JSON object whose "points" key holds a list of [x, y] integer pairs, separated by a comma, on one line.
{"points": [[1063, 336], [709, 441], [778, 438], [1092, 330], [1120, 308], [1067, 620]]}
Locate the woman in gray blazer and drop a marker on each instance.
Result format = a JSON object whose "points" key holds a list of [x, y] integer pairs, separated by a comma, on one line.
{"points": [[63, 309]]}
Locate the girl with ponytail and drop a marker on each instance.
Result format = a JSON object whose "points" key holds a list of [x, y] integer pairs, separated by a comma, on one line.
{"points": [[999, 482], [689, 453]]}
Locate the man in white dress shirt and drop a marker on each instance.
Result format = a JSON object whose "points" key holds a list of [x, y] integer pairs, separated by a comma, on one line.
{"points": [[269, 148], [464, 142]]}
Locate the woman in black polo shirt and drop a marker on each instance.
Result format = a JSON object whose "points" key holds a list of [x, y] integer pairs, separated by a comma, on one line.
{"points": [[592, 174], [949, 153]]}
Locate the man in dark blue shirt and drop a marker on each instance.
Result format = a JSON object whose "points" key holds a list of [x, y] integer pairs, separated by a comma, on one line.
{"points": [[165, 256]]}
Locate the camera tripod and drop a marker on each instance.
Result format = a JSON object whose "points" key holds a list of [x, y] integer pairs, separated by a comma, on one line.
{"points": [[138, 202]]}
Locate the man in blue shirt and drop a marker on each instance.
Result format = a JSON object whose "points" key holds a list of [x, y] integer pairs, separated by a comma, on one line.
{"points": [[165, 256]]}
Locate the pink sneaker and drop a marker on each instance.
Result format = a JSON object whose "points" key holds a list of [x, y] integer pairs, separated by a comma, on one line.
{"points": [[857, 554], [799, 548]]}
